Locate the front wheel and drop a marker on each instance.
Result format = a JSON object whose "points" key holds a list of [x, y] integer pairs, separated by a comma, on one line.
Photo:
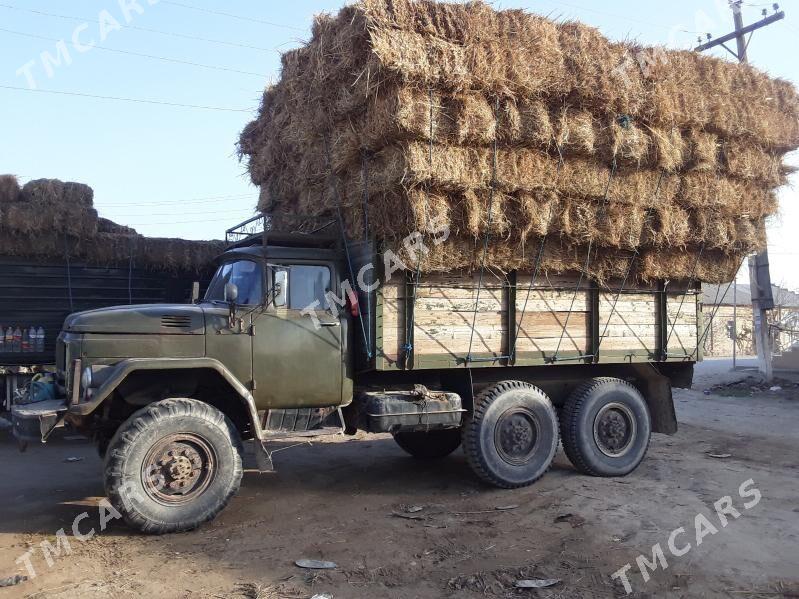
{"points": [[605, 427], [430, 445], [512, 436], [172, 466]]}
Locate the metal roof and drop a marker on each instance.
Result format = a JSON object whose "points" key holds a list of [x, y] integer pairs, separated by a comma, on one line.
{"points": [[715, 295]]}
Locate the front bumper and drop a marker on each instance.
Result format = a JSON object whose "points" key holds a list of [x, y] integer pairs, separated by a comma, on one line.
{"points": [[34, 422]]}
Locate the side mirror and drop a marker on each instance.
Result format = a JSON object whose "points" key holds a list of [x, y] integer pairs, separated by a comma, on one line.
{"points": [[281, 287], [195, 292], [231, 293]]}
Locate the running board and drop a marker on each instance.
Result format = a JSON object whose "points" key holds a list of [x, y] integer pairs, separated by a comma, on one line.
{"points": [[319, 432], [263, 456]]}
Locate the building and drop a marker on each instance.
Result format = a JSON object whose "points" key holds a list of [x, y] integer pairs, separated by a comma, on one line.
{"points": [[731, 309]]}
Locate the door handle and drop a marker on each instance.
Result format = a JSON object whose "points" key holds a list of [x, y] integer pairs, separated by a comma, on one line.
{"points": [[333, 323]]}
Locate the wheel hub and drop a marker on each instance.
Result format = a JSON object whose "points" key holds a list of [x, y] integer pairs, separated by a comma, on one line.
{"points": [[178, 468], [614, 429], [516, 436]]}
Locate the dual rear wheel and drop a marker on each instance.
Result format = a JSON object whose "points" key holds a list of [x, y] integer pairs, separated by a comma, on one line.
{"points": [[512, 435]]}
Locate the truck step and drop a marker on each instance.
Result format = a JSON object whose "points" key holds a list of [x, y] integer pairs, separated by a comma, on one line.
{"points": [[284, 434]]}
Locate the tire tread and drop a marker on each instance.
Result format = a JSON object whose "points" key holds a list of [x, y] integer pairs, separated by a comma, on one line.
{"points": [[471, 436], [143, 420], [569, 422]]}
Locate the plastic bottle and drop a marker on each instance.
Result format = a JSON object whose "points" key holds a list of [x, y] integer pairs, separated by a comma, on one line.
{"points": [[34, 340], [17, 340], [9, 337], [2, 339], [40, 340], [26, 340]]}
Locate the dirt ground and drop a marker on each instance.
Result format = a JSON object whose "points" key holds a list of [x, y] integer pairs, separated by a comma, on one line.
{"points": [[355, 502]]}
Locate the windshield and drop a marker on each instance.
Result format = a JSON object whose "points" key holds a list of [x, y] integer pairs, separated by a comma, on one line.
{"points": [[246, 275]]}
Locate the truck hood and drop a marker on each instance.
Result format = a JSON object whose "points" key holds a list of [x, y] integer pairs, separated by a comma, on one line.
{"points": [[155, 319]]}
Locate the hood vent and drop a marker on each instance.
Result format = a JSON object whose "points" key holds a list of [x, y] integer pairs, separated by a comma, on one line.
{"points": [[175, 321]]}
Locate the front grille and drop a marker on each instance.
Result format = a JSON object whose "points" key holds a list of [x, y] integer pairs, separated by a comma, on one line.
{"points": [[170, 321]]}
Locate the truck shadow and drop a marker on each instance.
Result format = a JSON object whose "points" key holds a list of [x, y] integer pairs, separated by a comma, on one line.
{"points": [[48, 487]]}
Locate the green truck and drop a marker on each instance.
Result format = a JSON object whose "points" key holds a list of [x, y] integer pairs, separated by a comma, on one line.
{"points": [[302, 335]]}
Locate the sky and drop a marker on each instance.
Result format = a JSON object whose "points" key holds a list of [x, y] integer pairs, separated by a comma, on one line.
{"points": [[166, 163]]}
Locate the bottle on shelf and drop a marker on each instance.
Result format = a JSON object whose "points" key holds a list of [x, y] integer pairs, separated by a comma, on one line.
{"points": [[2, 339], [26, 340], [40, 340], [17, 340], [9, 337]]}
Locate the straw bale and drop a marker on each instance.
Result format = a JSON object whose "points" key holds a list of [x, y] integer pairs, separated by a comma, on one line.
{"points": [[615, 146], [575, 132], [670, 149], [9, 189], [703, 150]]}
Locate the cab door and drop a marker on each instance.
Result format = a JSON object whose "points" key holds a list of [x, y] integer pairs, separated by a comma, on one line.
{"points": [[298, 359]]}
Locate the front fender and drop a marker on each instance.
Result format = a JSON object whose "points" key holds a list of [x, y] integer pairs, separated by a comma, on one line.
{"points": [[124, 368]]}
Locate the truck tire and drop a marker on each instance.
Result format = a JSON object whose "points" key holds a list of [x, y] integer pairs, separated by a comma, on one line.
{"points": [[430, 445], [512, 436], [172, 466], [605, 427]]}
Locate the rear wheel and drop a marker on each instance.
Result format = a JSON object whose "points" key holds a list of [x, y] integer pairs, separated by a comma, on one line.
{"points": [[173, 466], [605, 427], [429, 445], [512, 436]]}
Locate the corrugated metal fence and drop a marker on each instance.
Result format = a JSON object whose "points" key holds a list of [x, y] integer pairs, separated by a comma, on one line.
{"points": [[42, 295]]}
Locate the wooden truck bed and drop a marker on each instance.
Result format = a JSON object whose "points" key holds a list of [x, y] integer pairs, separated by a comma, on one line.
{"points": [[516, 324]]}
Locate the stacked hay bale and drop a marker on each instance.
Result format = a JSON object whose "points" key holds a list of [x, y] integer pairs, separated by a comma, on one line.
{"points": [[48, 219], [509, 127]]}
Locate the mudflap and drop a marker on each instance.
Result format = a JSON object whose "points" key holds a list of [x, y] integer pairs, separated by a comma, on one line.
{"points": [[34, 422]]}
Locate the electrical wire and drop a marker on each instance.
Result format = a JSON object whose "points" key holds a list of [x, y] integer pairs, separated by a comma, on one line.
{"points": [[122, 99], [616, 16], [138, 28], [203, 200], [230, 15], [178, 222], [227, 211], [138, 54]]}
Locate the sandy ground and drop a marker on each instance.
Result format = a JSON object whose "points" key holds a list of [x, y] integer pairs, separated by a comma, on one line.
{"points": [[338, 500]]}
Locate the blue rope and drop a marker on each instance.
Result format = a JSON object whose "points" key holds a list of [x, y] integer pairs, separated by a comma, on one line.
{"points": [[344, 238]]}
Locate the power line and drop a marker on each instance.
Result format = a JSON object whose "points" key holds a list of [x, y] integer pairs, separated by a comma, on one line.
{"points": [[228, 211], [615, 16], [121, 99], [172, 222], [136, 27], [230, 15], [140, 55], [203, 200]]}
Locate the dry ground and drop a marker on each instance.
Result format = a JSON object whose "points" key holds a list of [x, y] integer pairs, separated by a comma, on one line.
{"points": [[338, 499]]}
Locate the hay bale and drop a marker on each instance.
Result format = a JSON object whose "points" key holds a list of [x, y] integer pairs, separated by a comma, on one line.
{"points": [[9, 189], [428, 105], [108, 226]]}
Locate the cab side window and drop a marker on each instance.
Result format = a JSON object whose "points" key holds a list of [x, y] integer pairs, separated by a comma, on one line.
{"points": [[308, 284]]}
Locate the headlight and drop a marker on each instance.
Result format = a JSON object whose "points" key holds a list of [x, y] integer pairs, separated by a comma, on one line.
{"points": [[86, 379]]}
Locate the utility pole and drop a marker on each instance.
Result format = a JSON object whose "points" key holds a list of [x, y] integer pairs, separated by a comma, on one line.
{"points": [[759, 276]]}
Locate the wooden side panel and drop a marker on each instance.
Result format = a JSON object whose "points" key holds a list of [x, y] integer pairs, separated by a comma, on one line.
{"points": [[682, 323], [443, 317], [628, 323], [553, 317]]}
